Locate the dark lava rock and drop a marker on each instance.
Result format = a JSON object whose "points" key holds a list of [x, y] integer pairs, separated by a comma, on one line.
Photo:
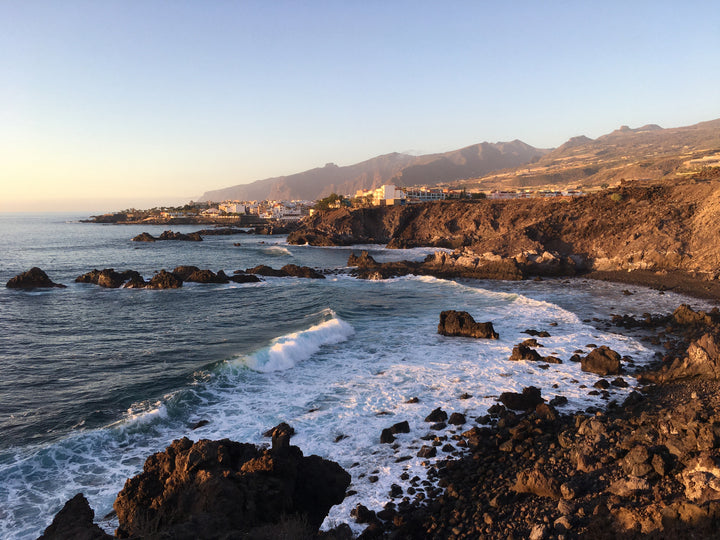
{"points": [[603, 361], [523, 352], [184, 272], [109, 278], [461, 323], [264, 270], [74, 522], [244, 278], [33, 278], [144, 237], [170, 235], [529, 399], [438, 415], [457, 419], [702, 360], [364, 260], [301, 271], [602, 384], [427, 452], [401, 427], [386, 436], [207, 276], [223, 489], [531, 332], [164, 280]]}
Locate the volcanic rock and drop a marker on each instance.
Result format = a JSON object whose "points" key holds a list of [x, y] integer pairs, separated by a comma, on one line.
{"points": [[207, 276], [301, 271], [164, 280], [33, 278], [438, 415], [529, 399], [702, 360], [108, 277], [264, 270], [538, 483], [74, 522], [244, 278], [170, 235], [183, 272], [223, 489], [523, 352], [461, 323], [602, 361], [144, 237], [364, 260]]}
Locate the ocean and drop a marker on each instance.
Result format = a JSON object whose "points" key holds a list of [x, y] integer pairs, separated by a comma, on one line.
{"points": [[95, 380]]}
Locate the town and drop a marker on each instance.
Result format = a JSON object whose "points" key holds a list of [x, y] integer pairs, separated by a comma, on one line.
{"points": [[256, 212]]}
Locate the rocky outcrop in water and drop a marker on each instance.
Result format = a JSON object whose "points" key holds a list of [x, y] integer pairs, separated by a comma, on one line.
{"points": [[168, 235], [109, 278], [75, 522], [32, 279], [289, 270], [461, 323]]}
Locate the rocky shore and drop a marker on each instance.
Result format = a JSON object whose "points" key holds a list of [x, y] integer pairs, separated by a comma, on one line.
{"points": [[646, 468]]}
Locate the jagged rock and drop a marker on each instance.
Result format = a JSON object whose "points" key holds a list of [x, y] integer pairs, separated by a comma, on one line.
{"points": [[264, 270], [109, 278], [456, 419], [207, 276], [537, 483], [164, 280], [627, 487], [438, 415], [702, 360], [427, 452], [529, 399], [183, 272], [74, 522], [461, 323], [144, 237], [170, 235], [701, 478], [301, 271], [636, 462], [602, 361], [244, 278], [523, 352], [33, 278], [214, 489], [364, 260]]}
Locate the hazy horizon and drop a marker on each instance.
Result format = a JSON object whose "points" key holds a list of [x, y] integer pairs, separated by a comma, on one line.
{"points": [[120, 104]]}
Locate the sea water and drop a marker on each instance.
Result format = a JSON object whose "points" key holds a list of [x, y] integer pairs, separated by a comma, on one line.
{"points": [[95, 380]]}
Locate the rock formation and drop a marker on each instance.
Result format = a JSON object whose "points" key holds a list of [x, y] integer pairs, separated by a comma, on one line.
{"points": [[461, 323], [213, 489], [33, 278], [75, 522]]}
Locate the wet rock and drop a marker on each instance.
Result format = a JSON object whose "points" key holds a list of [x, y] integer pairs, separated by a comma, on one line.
{"points": [[223, 488], [244, 278], [558, 401], [602, 361], [170, 235], [264, 270], [461, 323], [75, 522], [184, 272], [164, 280], [144, 237], [294, 270], [33, 278], [207, 276], [387, 436], [364, 260], [456, 419], [523, 352], [427, 452], [438, 415], [527, 400]]}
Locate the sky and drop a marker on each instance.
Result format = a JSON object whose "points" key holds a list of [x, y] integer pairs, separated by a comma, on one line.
{"points": [[111, 104]]}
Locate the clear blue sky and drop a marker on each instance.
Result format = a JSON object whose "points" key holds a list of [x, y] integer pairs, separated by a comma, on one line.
{"points": [[104, 103]]}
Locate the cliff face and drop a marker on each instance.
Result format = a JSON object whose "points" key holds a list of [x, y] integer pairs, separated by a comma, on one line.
{"points": [[635, 227]]}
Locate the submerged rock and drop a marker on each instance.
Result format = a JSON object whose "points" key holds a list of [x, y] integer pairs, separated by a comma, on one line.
{"points": [[461, 323], [33, 278]]}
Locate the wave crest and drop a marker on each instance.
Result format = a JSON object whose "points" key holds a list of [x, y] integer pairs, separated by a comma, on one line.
{"points": [[286, 351]]}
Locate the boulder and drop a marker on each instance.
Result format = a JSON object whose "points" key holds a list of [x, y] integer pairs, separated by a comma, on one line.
{"points": [[207, 276], [226, 489], [438, 415], [301, 271], [33, 278], [183, 272], [529, 399], [144, 237], [170, 235], [244, 278], [461, 323], [536, 482], [74, 522], [602, 361], [164, 280], [264, 270], [524, 352], [702, 360], [108, 278]]}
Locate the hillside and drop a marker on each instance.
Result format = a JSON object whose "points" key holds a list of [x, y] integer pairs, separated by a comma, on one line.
{"points": [[646, 153], [639, 226], [401, 169]]}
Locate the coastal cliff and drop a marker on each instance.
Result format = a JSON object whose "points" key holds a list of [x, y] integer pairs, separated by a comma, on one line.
{"points": [[657, 227]]}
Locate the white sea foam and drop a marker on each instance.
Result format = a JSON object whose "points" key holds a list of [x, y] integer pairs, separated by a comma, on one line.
{"points": [[286, 351], [276, 251]]}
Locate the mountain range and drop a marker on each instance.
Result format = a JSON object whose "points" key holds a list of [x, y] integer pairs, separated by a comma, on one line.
{"points": [[649, 152]]}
